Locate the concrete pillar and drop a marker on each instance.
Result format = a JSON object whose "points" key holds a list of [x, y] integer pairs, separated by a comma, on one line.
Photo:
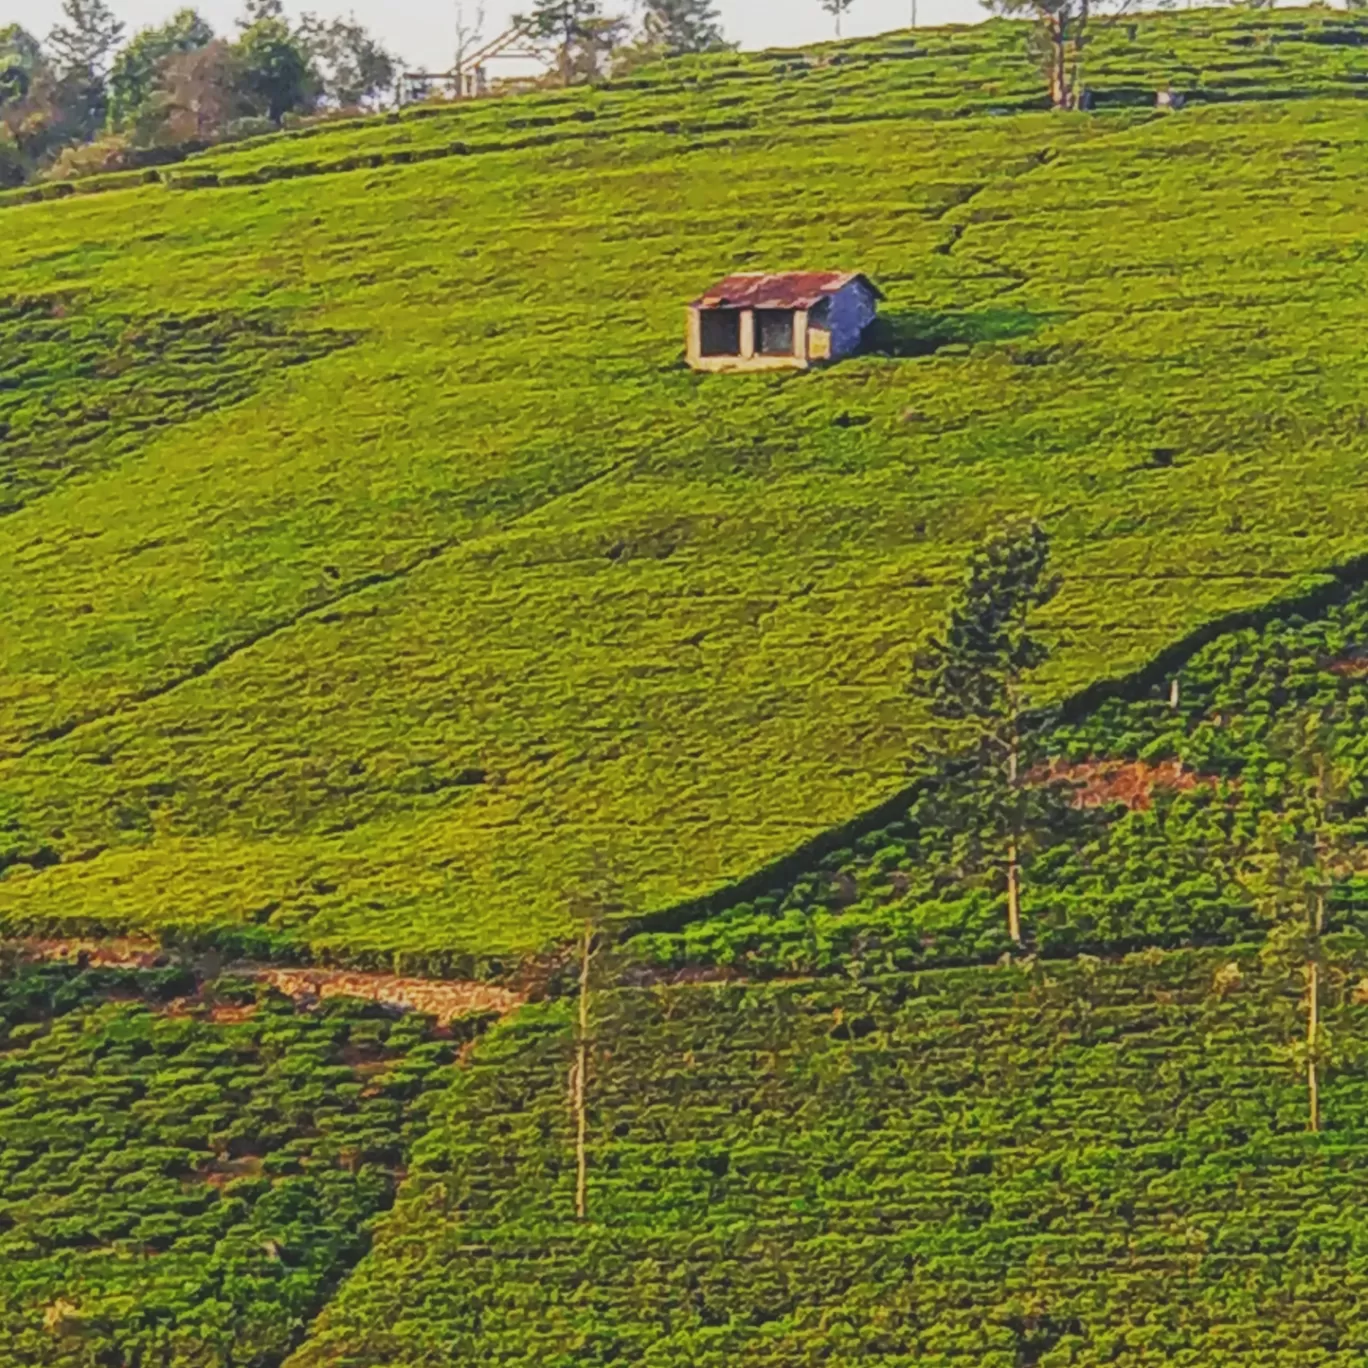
{"points": [[800, 335], [695, 336], [747, 333]]}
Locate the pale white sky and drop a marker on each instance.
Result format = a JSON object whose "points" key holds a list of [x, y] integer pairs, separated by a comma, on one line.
{"points": [[421, 30]]}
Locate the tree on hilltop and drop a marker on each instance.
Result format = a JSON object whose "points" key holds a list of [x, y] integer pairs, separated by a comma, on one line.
{"points": [[674, 27], [274, 72], [577, 32], [837, 8], [83, 45], [973, 676], [21, 56], [199, 95], [1059, 34], [22, 67], [351, 68], [134, 76], [80, 51]]}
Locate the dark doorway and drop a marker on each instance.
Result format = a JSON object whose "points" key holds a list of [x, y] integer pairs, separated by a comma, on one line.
{"points": [[774, 332], [721, 332]]}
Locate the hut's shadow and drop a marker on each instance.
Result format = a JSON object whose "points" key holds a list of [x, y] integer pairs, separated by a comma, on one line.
{"points": [[921, 332]]}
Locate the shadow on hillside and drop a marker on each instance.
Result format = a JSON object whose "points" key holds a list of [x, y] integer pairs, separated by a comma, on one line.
{"points": [[920, 332]]}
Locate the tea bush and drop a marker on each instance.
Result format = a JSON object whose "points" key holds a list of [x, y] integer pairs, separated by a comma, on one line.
{"points": [[928, 887], [185, 1179]]}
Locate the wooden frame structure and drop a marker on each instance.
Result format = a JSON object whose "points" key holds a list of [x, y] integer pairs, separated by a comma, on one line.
{"points": [[469, 79]]}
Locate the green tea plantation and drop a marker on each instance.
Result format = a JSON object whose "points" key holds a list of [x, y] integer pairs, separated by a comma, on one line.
{"points": [[389, 614], [453, 594]]}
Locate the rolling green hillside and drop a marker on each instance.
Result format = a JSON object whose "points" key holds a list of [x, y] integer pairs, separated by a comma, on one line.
{"points": [[379, 586], [459, 595]]}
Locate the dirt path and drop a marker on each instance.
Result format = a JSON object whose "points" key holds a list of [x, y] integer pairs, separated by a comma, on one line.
{"points": [[446, 1000]]}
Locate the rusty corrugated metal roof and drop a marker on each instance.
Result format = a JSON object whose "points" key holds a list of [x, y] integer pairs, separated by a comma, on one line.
{"points": [[778, 290]]}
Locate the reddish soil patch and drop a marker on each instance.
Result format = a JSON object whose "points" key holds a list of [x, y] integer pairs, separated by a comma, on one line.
{"points": [[224, 1170], [108, 954], [1353, 666], [1098, 783], [445, 1001], [230, 1013]]}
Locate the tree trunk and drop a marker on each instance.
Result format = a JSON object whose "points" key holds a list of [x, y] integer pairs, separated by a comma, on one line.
{"points": [[1013, 840], [1013, 892], [580, 1070], [1312, 1031], [1074, 94], [1058, 82]]}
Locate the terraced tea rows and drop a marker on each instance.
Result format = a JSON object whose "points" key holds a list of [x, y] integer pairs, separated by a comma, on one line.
{"points": [[1215, 55], [500, 603], [78, 391], [1085, 1164], [186, 1174]]}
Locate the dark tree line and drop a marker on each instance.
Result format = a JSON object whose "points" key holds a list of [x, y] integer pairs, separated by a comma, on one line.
{"points": [[585, 39], [81, 98], [88, 96]]}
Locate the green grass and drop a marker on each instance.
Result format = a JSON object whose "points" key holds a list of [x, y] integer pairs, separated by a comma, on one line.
{"points": [[1084, 1164], [187, 1170], [414, 641]]}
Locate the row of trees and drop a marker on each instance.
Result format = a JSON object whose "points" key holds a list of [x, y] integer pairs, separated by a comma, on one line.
{"points": [[973, 674], [585, 40], [84, 96]]}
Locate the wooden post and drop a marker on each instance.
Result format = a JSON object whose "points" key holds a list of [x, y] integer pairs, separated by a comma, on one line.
{"points": [[1312, 1031], [747, 333], [581, 1068], [1173, 694], [1013, 854]]}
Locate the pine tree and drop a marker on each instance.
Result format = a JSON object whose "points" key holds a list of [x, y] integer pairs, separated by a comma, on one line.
{"points": [[80, 51], [673, 27], [973, 676], [83, 46]]}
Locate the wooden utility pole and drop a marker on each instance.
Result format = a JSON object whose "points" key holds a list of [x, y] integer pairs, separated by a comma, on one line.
{"points": [[1013, 853], [1312, 1030], [581, 1068], [1313, 968]]}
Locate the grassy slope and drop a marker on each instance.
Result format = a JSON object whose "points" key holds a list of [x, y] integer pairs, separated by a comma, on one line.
{"points": [[499, 600], [1086, 1164]]}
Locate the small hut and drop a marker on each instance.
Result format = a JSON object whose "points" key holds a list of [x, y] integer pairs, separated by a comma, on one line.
{"points": [[791, 320]]}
